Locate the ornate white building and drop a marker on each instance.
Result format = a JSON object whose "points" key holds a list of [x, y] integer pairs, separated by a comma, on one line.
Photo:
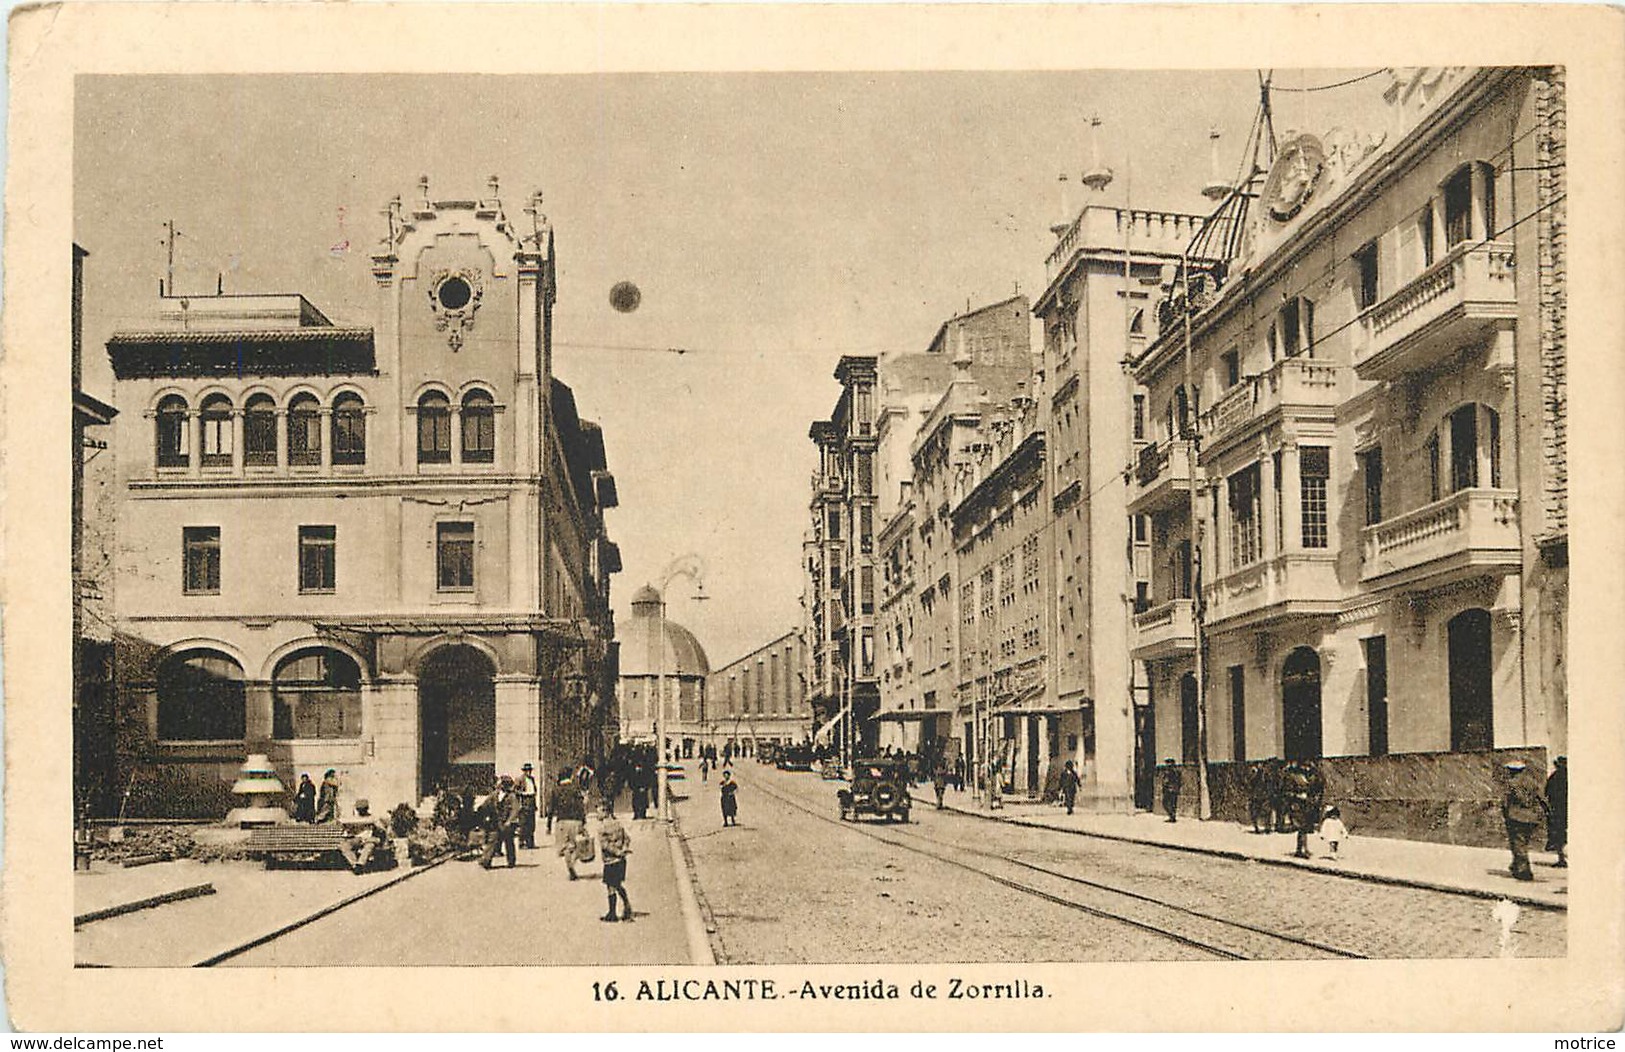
{"points": [[380, 550]]}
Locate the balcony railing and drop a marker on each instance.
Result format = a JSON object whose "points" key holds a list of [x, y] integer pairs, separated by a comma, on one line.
{"points": [[1462, 534], [1465, 294], [1165, 630], [1162, 476], [822, 483], [1289, 383], [1288, 584]]}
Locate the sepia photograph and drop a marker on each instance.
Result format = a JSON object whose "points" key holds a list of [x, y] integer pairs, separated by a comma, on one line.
{"points": [[754, 533]]}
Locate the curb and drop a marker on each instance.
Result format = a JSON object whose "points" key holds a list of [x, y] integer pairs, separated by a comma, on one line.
{"points": [[191, 891], [1292, 863], [699, 941], [333, 907]]}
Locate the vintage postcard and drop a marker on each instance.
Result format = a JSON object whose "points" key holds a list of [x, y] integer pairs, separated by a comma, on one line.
{"points": [[812, 518]]}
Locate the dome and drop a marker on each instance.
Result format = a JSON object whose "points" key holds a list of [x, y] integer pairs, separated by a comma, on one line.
{"points": [[640, 637]]}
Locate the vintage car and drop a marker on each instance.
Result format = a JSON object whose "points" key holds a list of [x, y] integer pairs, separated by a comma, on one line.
{"points": [[795, 758], [879, 787]]}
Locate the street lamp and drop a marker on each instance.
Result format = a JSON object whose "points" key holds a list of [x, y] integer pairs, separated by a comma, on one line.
{"points": [[691, 567]]}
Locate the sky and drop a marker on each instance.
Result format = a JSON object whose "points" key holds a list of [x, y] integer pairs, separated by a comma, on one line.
{"points": [[773, 222]]}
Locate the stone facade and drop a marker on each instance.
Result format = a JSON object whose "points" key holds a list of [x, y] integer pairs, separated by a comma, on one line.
{"points": [[1357, 440], [760, 698], [380, 550]]}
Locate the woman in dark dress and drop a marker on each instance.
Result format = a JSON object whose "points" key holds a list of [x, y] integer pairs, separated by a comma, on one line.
{"points": [[730, 802], [304, 800]]}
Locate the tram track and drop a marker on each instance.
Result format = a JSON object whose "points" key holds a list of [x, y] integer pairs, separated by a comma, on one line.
{"points": [[1218, 936]]}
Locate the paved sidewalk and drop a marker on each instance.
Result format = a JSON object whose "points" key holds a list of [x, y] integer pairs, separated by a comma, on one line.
{"points": [[1474, 871], [560, 918]]}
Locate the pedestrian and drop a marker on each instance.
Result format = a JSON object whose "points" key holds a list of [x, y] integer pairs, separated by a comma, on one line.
{"points": [[584, 776], [1172, 779], [327, 800], [616, 845], [1523, 805], [939, 783], [364, 837], [1069, 785], [304, 800], [1258, 797], [959, 774], [730, 799], [1275, 790], [640, 791], [1312, 794], [1557, 815], [566, 814], [503, 821], [705, 768], [527, 791], [1332, 830]]}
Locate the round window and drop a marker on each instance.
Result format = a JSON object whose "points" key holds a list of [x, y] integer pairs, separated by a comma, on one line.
{"points": [[454, 293]]}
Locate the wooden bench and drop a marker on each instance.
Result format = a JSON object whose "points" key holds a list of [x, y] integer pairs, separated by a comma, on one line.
{"points": [[275, 842]]}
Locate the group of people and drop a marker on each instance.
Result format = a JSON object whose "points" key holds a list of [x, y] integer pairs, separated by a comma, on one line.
{"points": [[1289, 796], [314, 805], [509, 815]]}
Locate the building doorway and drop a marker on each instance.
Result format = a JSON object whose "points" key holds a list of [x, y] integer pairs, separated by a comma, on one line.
{"points": [[1145, 756], [1300, 705], [458, 717], [1472, 693], [1033, 785]]}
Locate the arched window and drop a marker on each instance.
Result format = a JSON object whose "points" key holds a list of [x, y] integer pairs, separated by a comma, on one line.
{"points": [[201, 698], [1469, 203], [349, 429], [259, 430], [215, 414], [316, 693], [304, 430], [479, 428], [174, 444], [434, 429], [1475, 447]]}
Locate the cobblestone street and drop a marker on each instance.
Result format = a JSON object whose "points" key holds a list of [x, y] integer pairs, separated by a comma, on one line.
{"points": [[785, 886]]}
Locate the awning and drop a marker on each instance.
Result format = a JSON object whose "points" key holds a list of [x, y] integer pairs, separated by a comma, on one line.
{"points": [[1032, 702], [826, 728], [912, 715]]}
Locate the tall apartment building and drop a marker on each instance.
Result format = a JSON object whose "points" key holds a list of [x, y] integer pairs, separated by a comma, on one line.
{"points": [[1103, 275], [377, 549], [1375, 399], [760, 698], [863, 489]]}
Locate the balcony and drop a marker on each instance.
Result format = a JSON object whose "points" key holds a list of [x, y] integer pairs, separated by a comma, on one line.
{"points": [[1466, 534], [1454, 303], [1165, 630], [1291, 584], [826, 485], [1291, 386], [1161, 477]]}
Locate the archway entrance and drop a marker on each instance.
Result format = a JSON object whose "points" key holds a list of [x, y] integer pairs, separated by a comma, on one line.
{"points": [[458, 718], [1300, 705], [1472, 694]]}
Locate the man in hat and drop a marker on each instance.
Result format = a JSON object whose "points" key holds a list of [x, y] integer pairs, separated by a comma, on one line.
{"points": [[1557, 814], [1523, 805], [527, 790], [504, 808], [1172, 780]]}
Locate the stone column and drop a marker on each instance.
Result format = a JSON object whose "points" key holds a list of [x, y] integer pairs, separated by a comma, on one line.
{"points": [[1291, 500], [238, 418], [389, 717], [259, 725], [519, 723], [1479, 230], [326, 436], [1266, 495], [281, 438]]}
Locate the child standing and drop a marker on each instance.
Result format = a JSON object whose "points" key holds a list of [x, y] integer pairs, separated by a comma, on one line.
{"points": [[616, 845], [1332, 830]]}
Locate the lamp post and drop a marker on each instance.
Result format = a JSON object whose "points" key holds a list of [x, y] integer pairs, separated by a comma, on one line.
{"points": [[691, 567]]}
